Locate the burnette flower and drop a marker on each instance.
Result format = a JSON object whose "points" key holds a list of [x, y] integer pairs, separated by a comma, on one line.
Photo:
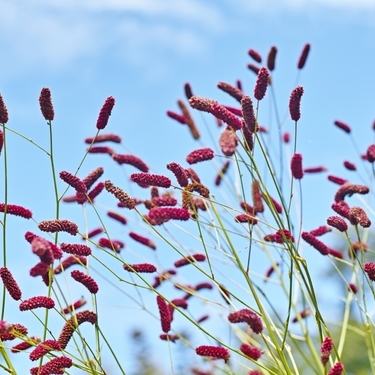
{"points": [[45, 103], [295, 103], [215, 352]]}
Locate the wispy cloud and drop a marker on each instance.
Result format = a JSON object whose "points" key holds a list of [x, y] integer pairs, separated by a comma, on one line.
{"points": [[57, 34]]}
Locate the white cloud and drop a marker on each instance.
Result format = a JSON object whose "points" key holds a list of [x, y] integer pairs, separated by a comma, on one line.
{"points": [[56, 34]]}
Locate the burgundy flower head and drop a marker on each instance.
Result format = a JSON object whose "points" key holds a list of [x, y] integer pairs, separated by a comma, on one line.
{"points": [[147, 179], [303, 57], [85, 280], [105, 112], [343, 126], [124, 198], [255, 55], [250, 351], [261, 84], [10, 283], [249, 317], [199, 155], [165, 314], [349, 189], [131, 160], [46, 106], [215, 352], [371, 153], [326, 350], [231, 90], [271, 58], [13, 209], [295, 103], [180, 173], [141, 268], [54, 226], [296, 166], [37, 302], [103, 138], [3, 111], [143, 240], [190, 259], [227, 116], [228, 142]]}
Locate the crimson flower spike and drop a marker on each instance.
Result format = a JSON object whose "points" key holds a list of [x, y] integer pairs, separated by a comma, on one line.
{"points": [[296, 166], [180, 173], [337, 369], [85, 280], [104, 138], [370, 153], [315, 169], [165, 314], [124, 198], [350, 189], [314, 242], [343, 126], [199, 155], [261, 84], [131, 160], [72, 324], [271, 58], [295, 103], [175, 116], [46, 106], [54, 226], [74, 306], [222, 172], [117, 217], [189, 120], [188, 91], [249, 317], [338, 223], [44, 348], [37, 302], [227, 116], [325, 350], [3, 111], [190, 259], [253, 68], [303, 57], [214, 352], [10, 283], [75, 249], [231, 90], [73, 181], [140, 268], [13, 209], [250, 351], [105, 112], [143, 240], [255, 55], [51, 367], [148, 179]]}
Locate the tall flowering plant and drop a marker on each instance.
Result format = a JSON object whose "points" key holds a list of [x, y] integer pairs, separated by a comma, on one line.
{"points": [[236, 252]]}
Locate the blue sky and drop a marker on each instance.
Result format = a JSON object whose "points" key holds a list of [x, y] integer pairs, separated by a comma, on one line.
{"points": [[142, 52]]}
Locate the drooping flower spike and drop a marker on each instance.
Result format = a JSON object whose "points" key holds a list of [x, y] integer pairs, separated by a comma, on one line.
{"points": [[85, 280], [141, 268], [180, 173], [131, 160], [13, 209], [189, 120], [37, 302], [231, 90]]}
